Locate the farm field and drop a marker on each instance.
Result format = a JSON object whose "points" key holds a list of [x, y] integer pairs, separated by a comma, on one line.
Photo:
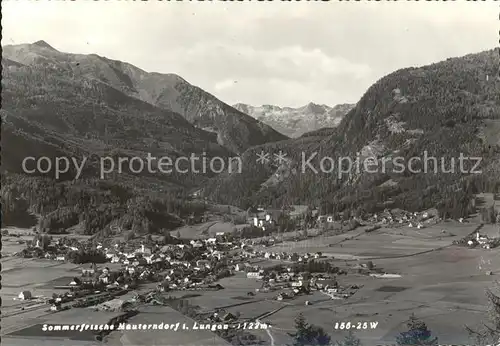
{"points": [[31, 330], [11, 245], [157, 315], [203, 230], [384, 242], [33, 275], [25, 274]]}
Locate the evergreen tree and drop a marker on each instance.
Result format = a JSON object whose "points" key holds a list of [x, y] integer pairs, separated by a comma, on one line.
{"points": [[309, 220], [489, 334], [309, 334], [318, 336], [346, 215], [349, 340], [417, 335], [301, 328]]}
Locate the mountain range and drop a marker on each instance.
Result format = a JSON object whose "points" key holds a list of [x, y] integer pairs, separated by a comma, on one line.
{"points": [[60, 104], [445, 109], [103, 78], [57, 104], [294, 122]]}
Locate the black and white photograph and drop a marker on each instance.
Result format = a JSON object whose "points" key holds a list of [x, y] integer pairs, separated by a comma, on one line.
{"points": [[250, 173]]}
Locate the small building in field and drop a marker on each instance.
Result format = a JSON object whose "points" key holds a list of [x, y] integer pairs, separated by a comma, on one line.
{"points": [[89, 270], [25, 295], [325, 219], [261, 218], [254, 275]]}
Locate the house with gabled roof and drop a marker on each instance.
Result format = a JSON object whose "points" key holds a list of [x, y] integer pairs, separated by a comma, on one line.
{"points": [[89, 269], [322, 219], [104, 278], [261, 218], [25, 295]]}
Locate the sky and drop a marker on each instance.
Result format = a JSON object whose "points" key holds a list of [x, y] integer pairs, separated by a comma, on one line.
{"points": [[279, 53]]}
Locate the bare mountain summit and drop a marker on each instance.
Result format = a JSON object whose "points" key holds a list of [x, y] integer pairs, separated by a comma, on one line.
{"points": [[294, 122]]}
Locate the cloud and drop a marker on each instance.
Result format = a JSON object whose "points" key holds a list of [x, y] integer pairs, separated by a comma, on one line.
{"points": [[278, 52], [292, 62], [225, 84], [263, 74]]}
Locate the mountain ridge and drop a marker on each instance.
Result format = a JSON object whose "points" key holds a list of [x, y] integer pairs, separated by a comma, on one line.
{"points": [[295, 122], [447, 108], [68, 113], [79, 107], [236, 130]]}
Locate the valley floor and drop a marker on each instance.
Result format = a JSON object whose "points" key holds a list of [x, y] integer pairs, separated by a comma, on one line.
{"points": [[443, 284]]}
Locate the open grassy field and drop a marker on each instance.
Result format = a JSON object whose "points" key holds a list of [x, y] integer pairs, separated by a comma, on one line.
{"points": [[31, 329], [21, 274], [204, 230], [384, 242], [444, 287], [11, 244], [46, 341], [157, 315], [25, 274]]}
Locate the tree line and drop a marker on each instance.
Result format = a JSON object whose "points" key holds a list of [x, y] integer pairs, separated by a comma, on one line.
{"points": [[95, 206]]}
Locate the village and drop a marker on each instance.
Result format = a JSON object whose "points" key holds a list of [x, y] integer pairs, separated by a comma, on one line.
{"points": [[197, 265], [307, 262]]}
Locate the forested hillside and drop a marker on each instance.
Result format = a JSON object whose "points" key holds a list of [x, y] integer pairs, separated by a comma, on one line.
{"points": [[169, 93], [445, 109], [50, 110], [91, 206]]}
